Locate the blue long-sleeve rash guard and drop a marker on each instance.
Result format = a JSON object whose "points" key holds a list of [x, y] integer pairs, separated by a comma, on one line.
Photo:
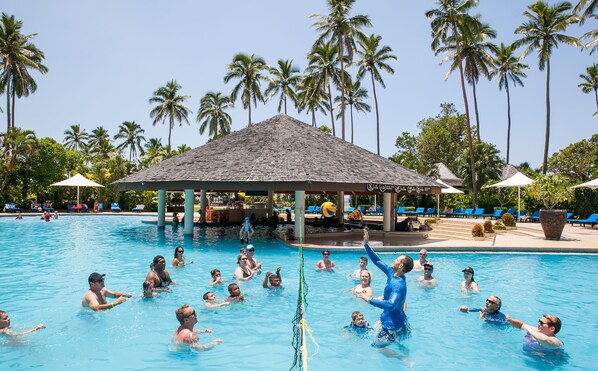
{"points": [[393, 317]]}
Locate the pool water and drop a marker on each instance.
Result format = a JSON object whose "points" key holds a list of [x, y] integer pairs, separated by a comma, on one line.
{"points": [[44, 270]]}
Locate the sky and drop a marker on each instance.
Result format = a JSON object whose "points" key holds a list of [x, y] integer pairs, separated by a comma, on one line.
{"points": [[106, 58]]}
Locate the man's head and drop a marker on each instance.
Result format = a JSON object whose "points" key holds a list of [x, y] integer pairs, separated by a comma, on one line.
{"points": [[209, 296], [274, 280], [185, 314], [363, 262], [96, 280], [250, 250], [159, 263], [423, 255], [357, 319], [402, 263], [4, 320], [234, 290], [428, 269], [493, 304], [549, 325]]}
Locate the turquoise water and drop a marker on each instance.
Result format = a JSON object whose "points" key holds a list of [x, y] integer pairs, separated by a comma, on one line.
{"points": [[44, 269]]}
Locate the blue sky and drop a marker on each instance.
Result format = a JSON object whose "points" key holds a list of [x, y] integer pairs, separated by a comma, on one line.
{"points": [[105, 59]]}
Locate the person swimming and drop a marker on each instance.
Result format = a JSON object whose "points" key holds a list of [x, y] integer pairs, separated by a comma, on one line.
{"points": [[358, 325], [469, 284], [490, 313], [541, 339]]}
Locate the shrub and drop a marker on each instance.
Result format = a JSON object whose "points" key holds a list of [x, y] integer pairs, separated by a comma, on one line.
{"points": [[477, 230], [508, 220], [488, 227], [551, 190], [430, 221], [499, 226]]}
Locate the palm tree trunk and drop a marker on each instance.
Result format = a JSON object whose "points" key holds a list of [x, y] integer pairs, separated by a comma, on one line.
{"points": [[249, 105], [351, 106], [469, 138], [313, 118], [547, 139], [596, 95], [377, 116], [475, 106], [285, 104], [8, 77], [508, 118], [340, 53], [331, 110], [169, 133], [14, 99]]}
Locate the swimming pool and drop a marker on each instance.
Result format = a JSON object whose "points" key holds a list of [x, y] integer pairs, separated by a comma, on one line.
{"points": [[44, 270]]}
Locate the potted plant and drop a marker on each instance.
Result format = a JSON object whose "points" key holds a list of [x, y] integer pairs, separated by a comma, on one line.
{"points": [[477, 232], [499, 227], [488, 230], [509, 221], [551, 190]]}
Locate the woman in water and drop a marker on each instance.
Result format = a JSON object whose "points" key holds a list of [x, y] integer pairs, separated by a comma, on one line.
{"points": [[325, 264], [5, 326], [469, 284], [243, 272], [179, 259], [216, 277], [541, 339], [364, 286]]}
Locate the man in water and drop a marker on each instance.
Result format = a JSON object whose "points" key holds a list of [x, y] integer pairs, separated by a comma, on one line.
{"points": [[185, 333], [393, 320], [418, 265], [159, 275], [427, 281], [491, 313], [253, 264], [5, 326], [363, 265], [275, 279], [235, 294], [95, 298]]}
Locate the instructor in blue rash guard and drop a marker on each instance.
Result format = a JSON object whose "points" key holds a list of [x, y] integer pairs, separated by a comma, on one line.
{"points": [[393, 320]]}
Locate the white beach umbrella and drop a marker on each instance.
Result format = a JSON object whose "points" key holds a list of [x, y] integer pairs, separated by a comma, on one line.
{"points": [[518, 180], [77, 180], [591, 184], [448, 190]]}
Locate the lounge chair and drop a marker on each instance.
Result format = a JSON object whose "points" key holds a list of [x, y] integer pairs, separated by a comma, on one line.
{"points": [[380, 211], [497, 214], [458, 212], [430, 211], [468, 212], [592, 219], [401, 210], [310, 210], [349, 210], [318, 210], [535, 217], [114, 207], [479, 212], [419, 210], [276, 208], [10, 207], [139, 208], [362, 209], [512, 212]]}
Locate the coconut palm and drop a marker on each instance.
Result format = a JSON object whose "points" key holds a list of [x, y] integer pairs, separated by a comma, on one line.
{"points": [[249, 69], [373, 60], [75, 138], [312, 97], [103, 149], [356, 96], [488, 163], [154, 152], [170, 106], [212, 114], [132, 133], [475, 52], [17, 55], [284, 81], [181, 149], [342, 29], [589, 10], [590, 82], [97, 135], [17, 147], [446, 23], [507, 67], [542, 32]]}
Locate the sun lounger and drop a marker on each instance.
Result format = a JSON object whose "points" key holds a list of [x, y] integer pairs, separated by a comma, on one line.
{"points": [[401, 210], [139, 208], [479, 212], [349, 210], [468, 212], [458, 212], [496, 215], [310, 210], [592, 220], [534, 217], [10, 207], [430, 211], [114, 207]]}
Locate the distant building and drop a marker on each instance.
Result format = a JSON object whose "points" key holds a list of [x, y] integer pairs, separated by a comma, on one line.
{"points": [[447, 176]]}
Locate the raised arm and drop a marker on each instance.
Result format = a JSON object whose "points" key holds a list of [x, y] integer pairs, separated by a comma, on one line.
{"points": [[13, 333]]}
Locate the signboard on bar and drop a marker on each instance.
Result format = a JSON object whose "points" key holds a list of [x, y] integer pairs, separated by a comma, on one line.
{"points": [[389, 188]]}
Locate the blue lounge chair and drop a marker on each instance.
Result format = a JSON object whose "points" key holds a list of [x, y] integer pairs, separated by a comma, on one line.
{"points": [[10, 207], [276, 208], [318, 210], [139, 208], [362, 209], [535, 216], [592, 219], [468, 212], [458, 212], [286, 208], [512, 212], [114, 207], [349, 210], [310, 210], [479, 212], [430, 211], [497, 214], [401, 210], [419, 210], [380, 211]]}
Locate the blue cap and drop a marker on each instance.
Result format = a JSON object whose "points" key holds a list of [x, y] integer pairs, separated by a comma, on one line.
{"points": [[250, 248]]}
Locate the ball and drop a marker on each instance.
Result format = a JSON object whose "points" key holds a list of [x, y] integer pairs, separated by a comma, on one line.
{"points": [[328, 209]]}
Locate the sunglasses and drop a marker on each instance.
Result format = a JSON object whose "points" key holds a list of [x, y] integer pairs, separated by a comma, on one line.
{"points": [[491, 302], [326, 254], [244, 259], [423, 254], [542, 323], [428, 269], [191, 315], [181, 251]]}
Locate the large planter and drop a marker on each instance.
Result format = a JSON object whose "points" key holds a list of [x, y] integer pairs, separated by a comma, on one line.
{"points": [[553, 222]]}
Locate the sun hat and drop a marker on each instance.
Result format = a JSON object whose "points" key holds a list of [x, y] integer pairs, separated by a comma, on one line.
{"points": [[95, 276]]}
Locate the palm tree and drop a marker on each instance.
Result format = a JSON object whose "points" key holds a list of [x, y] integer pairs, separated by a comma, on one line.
{"points": [[181, 149], [154, 152], [170, 106], [356, 96], [17, 147], [103, 148], [475, 53], [590, 81], [342, 29], [322, 68], [75, 138], [97, 135], [284, 81], [312, 97], [249, 70], [488, 163], [446, 26], [588, 12], [374, 59], [507, 66], [131, 132], [542, 33], [17, 55], [212, 109]]}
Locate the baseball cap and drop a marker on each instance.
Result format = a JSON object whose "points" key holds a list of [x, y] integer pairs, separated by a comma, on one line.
{"points": [[95, 276], [250, 248], [468, 269], [429, 265]]}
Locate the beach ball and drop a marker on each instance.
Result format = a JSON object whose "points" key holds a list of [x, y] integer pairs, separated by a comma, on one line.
{"points": [[328, 209]]}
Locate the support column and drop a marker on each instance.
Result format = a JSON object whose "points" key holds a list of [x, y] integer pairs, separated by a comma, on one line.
{"points": [[189, 198], [161, 208], [387, 219], [203, 201], [340, 207], [299, 215], [270, 205]]}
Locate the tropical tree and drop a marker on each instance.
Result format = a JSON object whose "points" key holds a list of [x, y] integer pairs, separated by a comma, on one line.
{"points": [[97, 135], [212, 114], [312, 97], [132, 133], [590, 82], [489, 165], [75, 138], [17, 55], [154, 152], [507, 67], [577, 161], [475, 52], [588, 12], [322, 68], [446, 23], [181, 149], [249, 70], [17, 148], [542, 32], [356, 96], [169, 106], [339, 27], [283, 81], [374, 59]]}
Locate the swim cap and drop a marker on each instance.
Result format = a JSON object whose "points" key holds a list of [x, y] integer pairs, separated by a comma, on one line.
{"points": [[250, 248]]}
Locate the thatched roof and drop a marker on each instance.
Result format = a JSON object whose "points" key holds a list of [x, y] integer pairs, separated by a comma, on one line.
{"points": [[281, 154], [508, 171], [447, 176]]}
